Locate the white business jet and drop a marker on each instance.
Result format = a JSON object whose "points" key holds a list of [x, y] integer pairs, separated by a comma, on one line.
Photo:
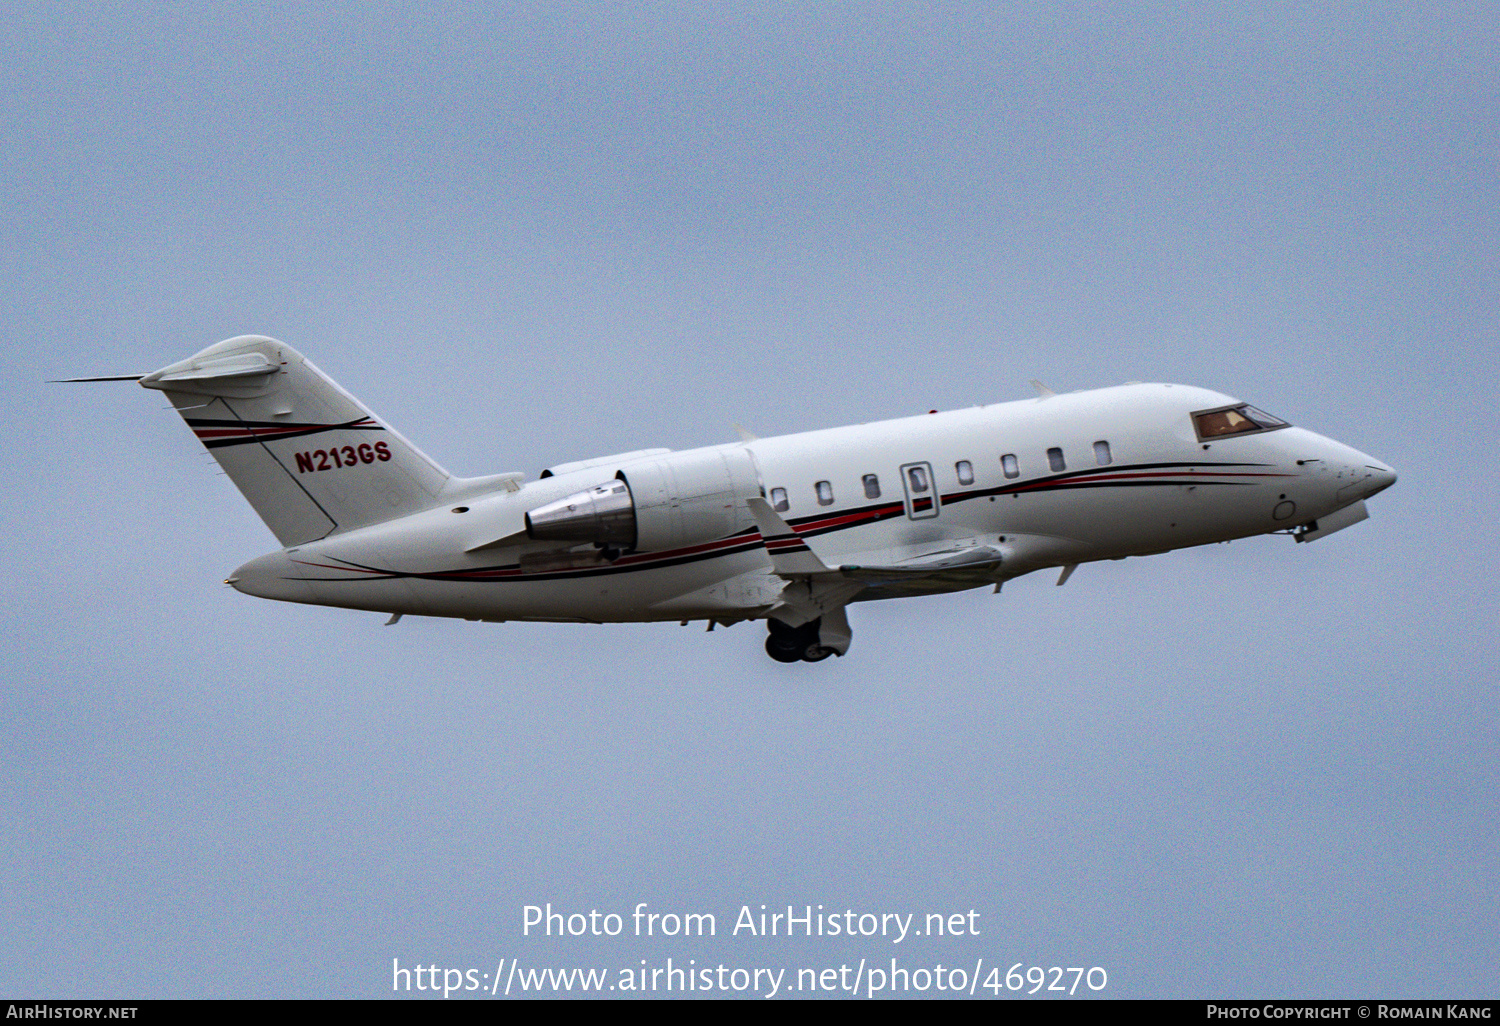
{"points": [[789, 530]]}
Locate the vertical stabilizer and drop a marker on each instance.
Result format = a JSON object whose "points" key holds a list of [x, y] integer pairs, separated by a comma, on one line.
{"points": [[310, 458]]}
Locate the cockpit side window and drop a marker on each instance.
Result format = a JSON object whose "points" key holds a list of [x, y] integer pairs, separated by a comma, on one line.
{"points": [[1234, 420], [1264, 419]]}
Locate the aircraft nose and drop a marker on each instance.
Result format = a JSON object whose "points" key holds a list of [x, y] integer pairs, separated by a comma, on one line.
{"points": [[1350, 474], [1380, 477], [1362, 476]]}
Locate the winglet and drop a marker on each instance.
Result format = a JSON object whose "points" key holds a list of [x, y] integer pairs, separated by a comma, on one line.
{"points": [[790, 556]]}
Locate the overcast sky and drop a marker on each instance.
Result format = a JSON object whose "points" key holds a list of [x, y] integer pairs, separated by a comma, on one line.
{"points": [[532, 233]]}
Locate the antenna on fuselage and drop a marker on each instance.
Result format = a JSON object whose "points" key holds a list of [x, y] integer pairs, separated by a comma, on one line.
{"points": [[1042, 391]]}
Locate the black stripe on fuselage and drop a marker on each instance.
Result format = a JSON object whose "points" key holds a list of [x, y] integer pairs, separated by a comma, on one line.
{"points": [[505, 572], [1134, 475], [807, 526]]}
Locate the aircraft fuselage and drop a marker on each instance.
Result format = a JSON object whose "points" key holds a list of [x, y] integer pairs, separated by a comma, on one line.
{"points": [[1047, 482]]}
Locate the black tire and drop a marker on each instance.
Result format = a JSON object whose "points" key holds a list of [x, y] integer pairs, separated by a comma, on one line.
{"points": [[783, 650], [816, 653]]}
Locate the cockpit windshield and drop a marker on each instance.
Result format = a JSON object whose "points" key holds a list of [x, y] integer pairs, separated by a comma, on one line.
{"points": [[1234, 420]]}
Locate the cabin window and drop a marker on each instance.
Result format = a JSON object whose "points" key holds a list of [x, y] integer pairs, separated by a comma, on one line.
{"points": [[778, 500], [872, 486], [917, 478], [1010, 465], [965, 472], [825, 493], [1055, 460], [1101, 454]]}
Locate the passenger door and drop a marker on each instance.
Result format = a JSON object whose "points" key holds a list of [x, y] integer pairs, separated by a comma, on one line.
{"points": [[922, 500]]}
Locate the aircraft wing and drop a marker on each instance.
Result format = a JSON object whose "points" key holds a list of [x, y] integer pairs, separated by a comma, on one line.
{"points": [[792, 559], [976, 563]]}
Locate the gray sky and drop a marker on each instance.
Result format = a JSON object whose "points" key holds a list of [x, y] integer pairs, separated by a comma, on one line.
{"points": [[548, 232]]}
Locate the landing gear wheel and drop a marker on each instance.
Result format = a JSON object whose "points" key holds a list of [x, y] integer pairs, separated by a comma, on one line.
{"points": [[788, 644], [784, 649]]}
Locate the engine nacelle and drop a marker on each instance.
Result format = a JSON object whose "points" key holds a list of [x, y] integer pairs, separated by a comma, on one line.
{"points": [[603, 514], [676, 500]]}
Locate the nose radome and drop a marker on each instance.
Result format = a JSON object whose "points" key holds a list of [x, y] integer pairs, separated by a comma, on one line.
{"points": [[1352, 474], [1364, 476], [1381, 477]]}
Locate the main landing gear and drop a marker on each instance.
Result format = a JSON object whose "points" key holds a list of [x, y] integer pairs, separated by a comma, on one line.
{"points": [[787, 644]]}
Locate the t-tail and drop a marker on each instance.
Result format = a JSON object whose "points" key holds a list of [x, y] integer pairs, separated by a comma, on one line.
{"points": [[310, 458]]}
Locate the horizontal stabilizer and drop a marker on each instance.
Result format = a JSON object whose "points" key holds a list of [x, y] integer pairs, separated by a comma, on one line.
{"points": [[223, 375]]}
